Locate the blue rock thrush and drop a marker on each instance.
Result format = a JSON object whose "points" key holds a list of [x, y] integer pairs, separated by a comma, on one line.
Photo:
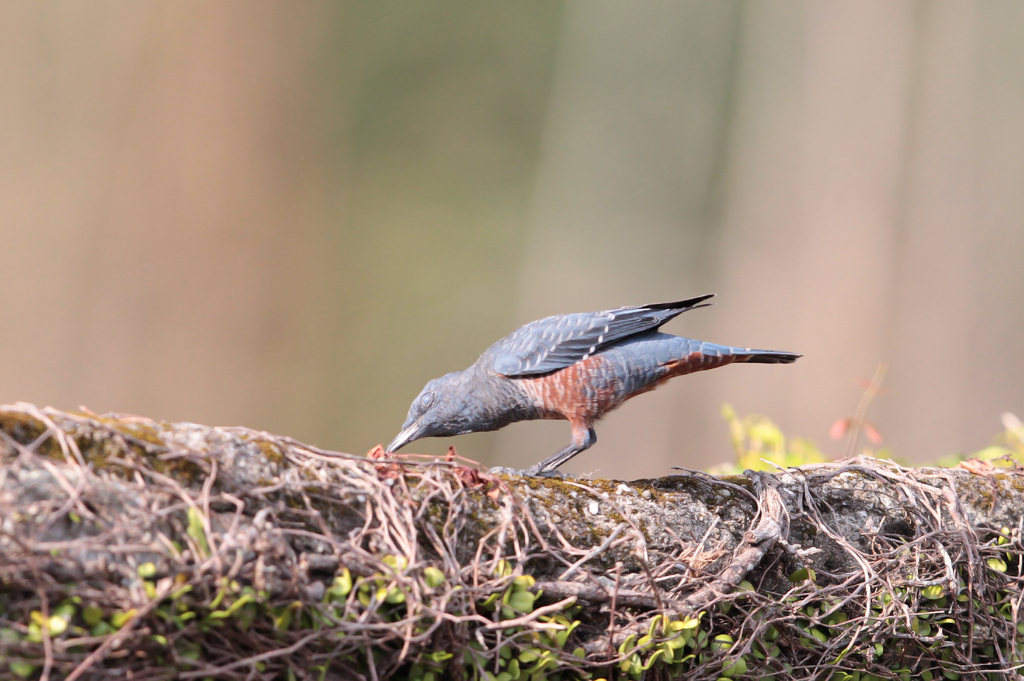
{"points": [[576, 367]]}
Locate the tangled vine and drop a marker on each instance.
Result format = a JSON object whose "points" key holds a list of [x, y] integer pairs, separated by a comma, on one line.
{"points": [[137, 549]]}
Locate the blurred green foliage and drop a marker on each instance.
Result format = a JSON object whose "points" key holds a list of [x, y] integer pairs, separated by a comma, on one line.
{"points": [[759, 443], [1006, 449]]}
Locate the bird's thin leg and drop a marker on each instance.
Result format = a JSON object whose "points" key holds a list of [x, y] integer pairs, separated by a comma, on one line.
{"points": [[582, 438]]}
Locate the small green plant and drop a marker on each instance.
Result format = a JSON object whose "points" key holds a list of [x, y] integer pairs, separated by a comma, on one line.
{"points": [[757, 440], [1006, 449]]}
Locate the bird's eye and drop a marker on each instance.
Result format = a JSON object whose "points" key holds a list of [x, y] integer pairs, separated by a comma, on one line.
{"points": [[426, 399]]}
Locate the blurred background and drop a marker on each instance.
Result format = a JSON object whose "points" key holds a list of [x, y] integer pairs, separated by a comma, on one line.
{"points": [[290, 216]]}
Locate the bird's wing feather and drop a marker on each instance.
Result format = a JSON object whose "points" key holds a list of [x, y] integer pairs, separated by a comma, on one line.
{"points": [[556, 342]]}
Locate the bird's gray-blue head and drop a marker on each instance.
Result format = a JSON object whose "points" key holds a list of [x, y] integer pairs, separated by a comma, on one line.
{"points": [[439, 410]]}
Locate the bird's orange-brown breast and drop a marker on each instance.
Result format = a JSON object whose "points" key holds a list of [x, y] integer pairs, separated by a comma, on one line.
{"points": [[580, 392], [594, 386]]}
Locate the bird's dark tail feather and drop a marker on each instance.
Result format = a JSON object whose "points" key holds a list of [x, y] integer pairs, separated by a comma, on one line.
{"points": [[668, 311], [769, 357], [681, 305]]}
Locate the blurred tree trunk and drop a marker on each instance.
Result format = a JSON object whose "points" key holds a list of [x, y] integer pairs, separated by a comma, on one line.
{"points": [[439, 112], [243, 213], [845, 176], [626, 197], [246, 213], [154, 211], [818, 175], [870, 183]]}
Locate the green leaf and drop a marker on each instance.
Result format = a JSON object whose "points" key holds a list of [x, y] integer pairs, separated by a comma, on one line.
{"points": [[736, 668], [221, 614], [837, 618], [342, 585], [433, 577], [651, 660], [659, 623], [996, 564], [121, 618], [219, 597], [677, 641], [22, 669], [146, 570], [623, 647], [181, 592], [57, 625], [802, 574], [197, 532], [521, 601], [102, 629], [523, 582], [65, 610], [932, 593], [722, 642], [687, 623], [920, 627]]}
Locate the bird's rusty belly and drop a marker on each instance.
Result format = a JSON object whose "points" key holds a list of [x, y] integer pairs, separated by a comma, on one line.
{"points": [[581, 392], [587, 390]]}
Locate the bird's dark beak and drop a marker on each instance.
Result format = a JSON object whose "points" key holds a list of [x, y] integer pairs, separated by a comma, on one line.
{"points": [[408, 434]]}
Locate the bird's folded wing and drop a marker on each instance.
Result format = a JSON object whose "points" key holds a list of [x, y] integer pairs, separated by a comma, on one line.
{"points": [[556, 342]]}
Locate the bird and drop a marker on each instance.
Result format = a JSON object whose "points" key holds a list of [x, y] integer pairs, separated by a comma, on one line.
{"points": [[576, 367]]}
